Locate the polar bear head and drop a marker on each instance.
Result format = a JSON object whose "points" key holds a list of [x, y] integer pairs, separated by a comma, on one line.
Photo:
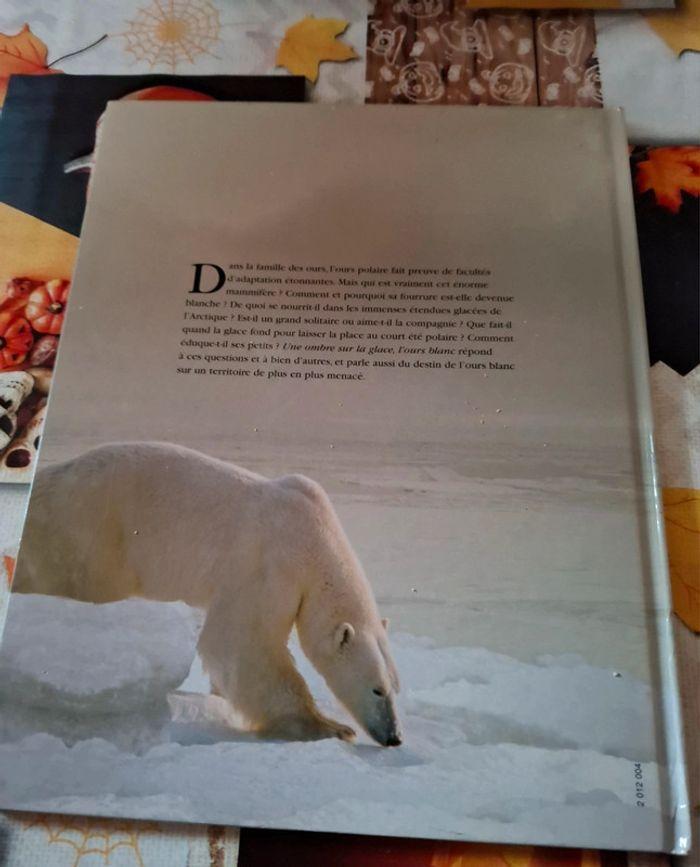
{"points": [[356, 663], [337, 620]]}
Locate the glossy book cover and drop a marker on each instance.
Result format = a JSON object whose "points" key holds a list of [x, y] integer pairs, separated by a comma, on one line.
{"points": [[346, 515]]}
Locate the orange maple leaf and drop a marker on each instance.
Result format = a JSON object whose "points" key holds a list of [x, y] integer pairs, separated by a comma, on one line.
{"points": [[669, 172], [489, 855], [21, 54], [310, 41], [9, 563]]}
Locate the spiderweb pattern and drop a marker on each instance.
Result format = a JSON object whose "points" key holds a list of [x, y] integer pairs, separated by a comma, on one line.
{"points": [[172, 31], [91, 837]]}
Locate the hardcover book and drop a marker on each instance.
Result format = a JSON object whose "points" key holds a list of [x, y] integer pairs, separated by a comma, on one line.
{"points": [[346, 515]]}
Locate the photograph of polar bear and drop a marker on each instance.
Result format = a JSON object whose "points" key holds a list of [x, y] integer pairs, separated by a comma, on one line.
{"points": [[100, 529], [198, 632]]}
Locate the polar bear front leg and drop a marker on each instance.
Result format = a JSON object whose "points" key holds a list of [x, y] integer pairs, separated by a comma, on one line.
{"points": [[290, 713], [251, 667]]}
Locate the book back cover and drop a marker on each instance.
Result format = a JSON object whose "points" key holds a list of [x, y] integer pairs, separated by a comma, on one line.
{"points": [[346, 515]]}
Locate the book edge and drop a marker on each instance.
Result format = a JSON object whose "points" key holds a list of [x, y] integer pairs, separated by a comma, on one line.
{"points": [[660, 589]]}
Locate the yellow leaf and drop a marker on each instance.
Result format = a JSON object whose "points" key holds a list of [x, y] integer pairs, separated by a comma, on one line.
{"points": [[21, 54], [310, 41], [679, 28], [682, 519]]}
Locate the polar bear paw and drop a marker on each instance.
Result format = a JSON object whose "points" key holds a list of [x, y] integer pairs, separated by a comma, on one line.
{"points": [[306, 728], [332, 729]]}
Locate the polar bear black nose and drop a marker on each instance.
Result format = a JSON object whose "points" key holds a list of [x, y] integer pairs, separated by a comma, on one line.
{"points": [[393, 741]]}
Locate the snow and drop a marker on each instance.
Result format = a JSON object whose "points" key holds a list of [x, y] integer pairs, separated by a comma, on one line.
{"points": [[494, 747], [484, 693], [127, 653], [75, 669]]}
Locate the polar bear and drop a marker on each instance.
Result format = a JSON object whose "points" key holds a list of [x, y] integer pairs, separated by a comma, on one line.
{"points": [[258, 555]]}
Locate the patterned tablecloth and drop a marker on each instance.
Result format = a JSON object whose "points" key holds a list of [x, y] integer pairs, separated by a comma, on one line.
{"points": [[432, 52]]}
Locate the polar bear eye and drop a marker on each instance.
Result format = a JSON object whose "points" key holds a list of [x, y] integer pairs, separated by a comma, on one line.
{"points": [[379, 692]]}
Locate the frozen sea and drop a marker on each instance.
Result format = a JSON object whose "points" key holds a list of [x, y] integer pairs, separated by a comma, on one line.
{"points": [[549, 751], [520, 624]]}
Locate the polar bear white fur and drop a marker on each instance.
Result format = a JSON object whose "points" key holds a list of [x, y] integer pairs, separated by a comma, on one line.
{"points": [[258, 555]]}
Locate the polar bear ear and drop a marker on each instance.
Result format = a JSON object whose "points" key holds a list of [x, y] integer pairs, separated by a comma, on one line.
{"points": [[385, 623], [344, 634]]}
